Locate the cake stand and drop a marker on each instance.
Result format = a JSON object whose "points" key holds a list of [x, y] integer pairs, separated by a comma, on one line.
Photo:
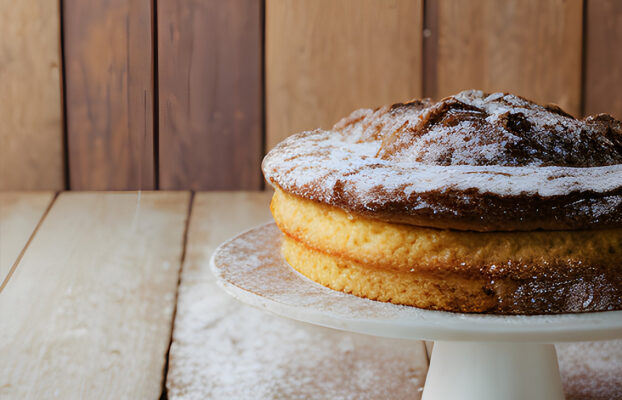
{"points": [[475, 356]]}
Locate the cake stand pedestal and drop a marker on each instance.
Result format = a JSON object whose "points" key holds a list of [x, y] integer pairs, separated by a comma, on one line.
{"points": [[475, 356], [464, 370]]}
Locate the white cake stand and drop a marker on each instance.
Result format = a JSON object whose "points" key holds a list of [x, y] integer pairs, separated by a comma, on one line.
{"points": [[475, 356]]}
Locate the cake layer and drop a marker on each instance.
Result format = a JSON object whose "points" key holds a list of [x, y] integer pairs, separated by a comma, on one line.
{"points": [[401, 247], [473, 161], [577, 291]]}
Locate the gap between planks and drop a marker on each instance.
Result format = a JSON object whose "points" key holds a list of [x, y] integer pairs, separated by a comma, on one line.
{"points": [[20, 255], [164, 394]]}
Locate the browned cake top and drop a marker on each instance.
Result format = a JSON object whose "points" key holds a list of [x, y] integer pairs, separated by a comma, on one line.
{"points": [[475, 128], [473, 161]]}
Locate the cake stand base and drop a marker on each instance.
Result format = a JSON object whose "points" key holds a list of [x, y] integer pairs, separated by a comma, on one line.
{"points": [[491, 371], [475, 356]]}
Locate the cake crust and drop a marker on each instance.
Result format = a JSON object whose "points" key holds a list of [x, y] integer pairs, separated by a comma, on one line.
{"points": [[474, 161]]}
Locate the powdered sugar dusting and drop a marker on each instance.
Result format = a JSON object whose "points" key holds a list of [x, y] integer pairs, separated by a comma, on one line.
{"points": [[471, 143], [591, 371], [321, 158], [473, 128]]}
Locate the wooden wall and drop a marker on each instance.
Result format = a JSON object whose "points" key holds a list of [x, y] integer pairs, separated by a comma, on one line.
{"points": [[210, 94], [189, 94], [31, 124], [109, 81], [528, 47], [325, 58]]}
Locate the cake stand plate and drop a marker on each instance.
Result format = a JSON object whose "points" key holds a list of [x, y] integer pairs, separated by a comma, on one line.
{"points": [[475, 356]]}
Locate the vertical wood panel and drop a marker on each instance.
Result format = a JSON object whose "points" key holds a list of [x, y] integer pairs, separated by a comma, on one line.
{"points": [[528, 47], [603, 57], [109, 93], [210, 94], [31, 129], [325, 58], [430, 48]]}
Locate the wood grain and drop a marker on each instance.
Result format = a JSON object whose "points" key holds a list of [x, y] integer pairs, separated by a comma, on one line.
{"points": [[430, 48], [326, 58], [210, 94], [109, 94], [88, 311], [20, 213], [210, 326], [528, 47], [31, 132], [603, 57]]}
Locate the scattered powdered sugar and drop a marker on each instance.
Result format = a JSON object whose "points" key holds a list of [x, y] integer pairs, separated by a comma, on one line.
{"points": [[499, 143], [591, 370], [248, 354], [223, 349]]}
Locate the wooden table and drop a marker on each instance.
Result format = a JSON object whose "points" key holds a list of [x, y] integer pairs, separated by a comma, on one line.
{"points": [[109, 295]]}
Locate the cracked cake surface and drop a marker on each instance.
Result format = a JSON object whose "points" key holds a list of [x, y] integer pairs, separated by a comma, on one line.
{"points": [[473, 161]]}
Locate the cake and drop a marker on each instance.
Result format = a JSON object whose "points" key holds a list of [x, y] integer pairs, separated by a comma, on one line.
{"points": [[478, 203]]}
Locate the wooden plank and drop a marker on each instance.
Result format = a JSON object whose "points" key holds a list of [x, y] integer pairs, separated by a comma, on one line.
{"points": [[430, 48], [20, 212], [528, 47], [31, 132], [88, 311], [591, 370], [326, 58], [210, 94], [223, 349], [603, 57], [109, 94]]}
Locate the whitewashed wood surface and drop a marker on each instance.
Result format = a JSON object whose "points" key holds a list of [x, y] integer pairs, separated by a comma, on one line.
{"points": [[20, 212], [87, 312]]}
